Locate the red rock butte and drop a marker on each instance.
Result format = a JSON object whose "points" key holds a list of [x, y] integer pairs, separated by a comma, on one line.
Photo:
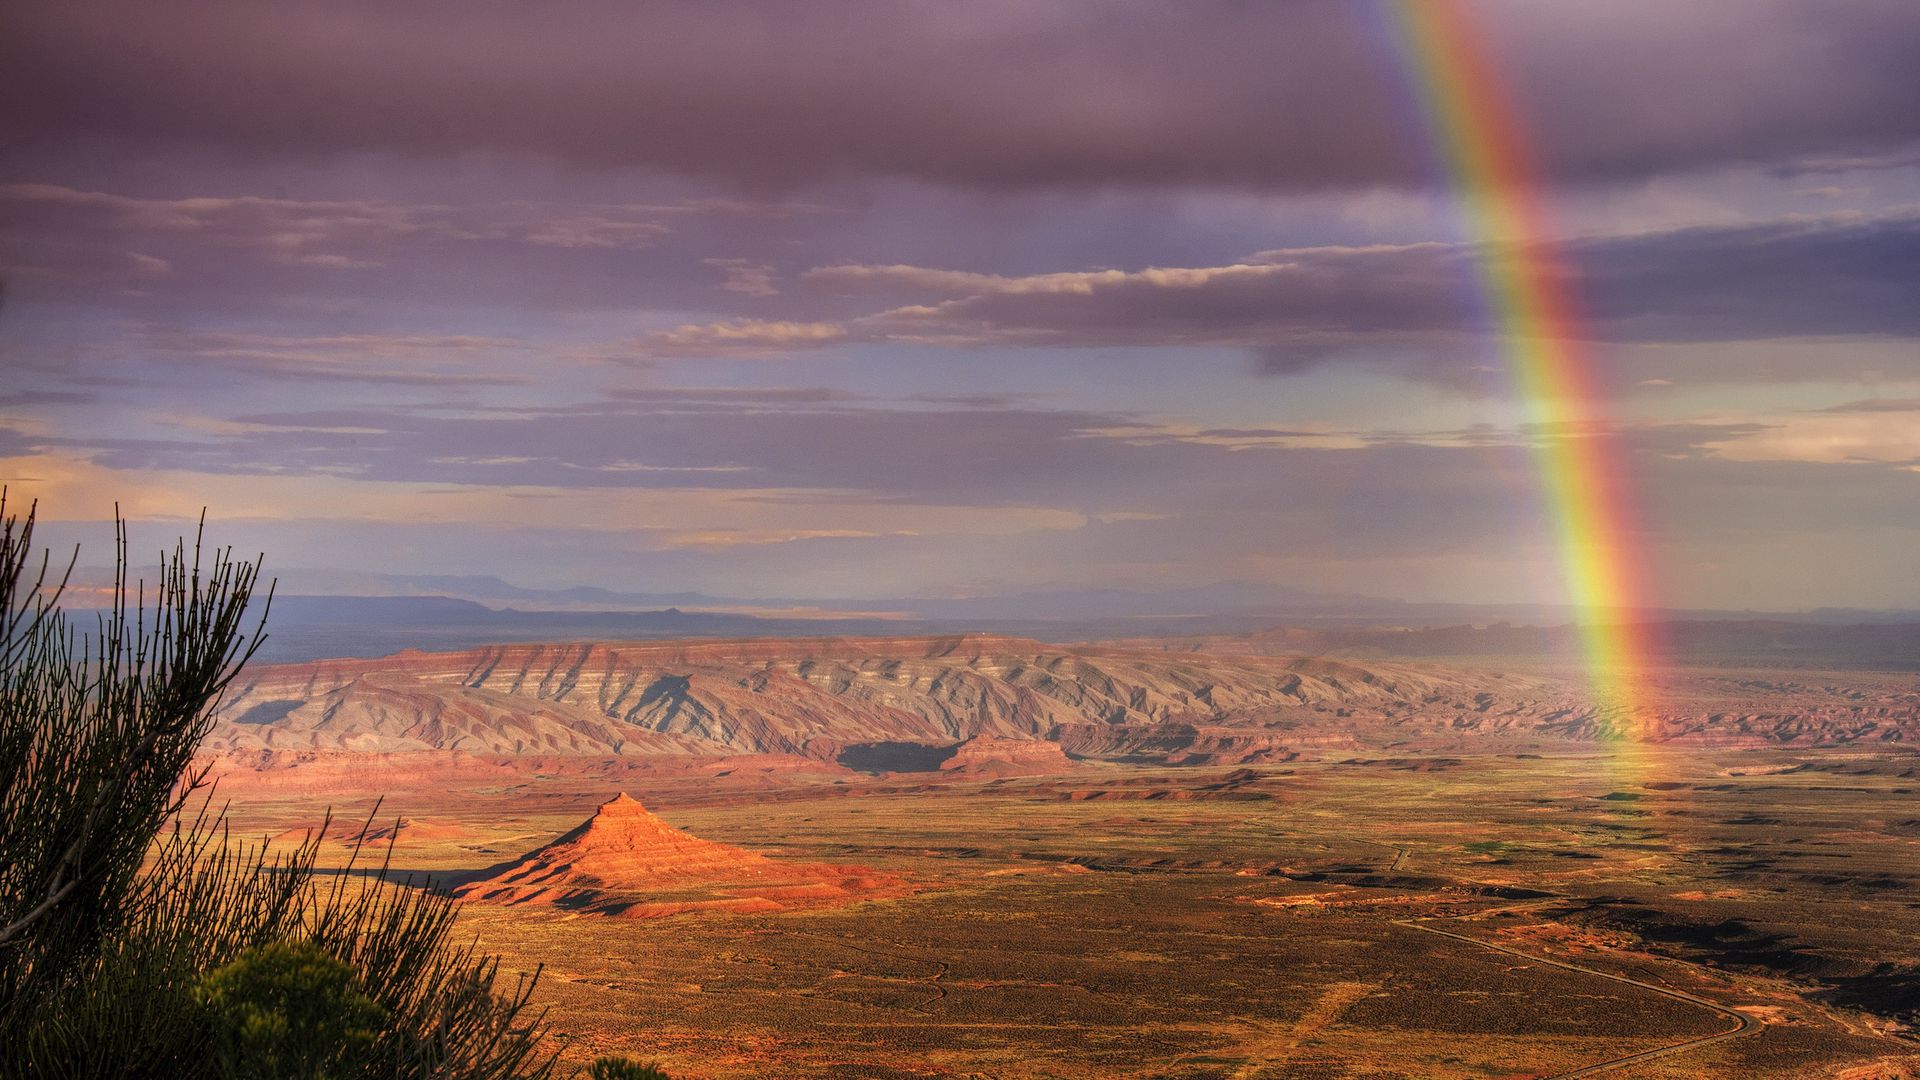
{"points": [[625, 861], [993, 756]]}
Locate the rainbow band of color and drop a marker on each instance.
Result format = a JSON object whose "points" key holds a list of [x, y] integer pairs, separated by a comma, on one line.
{"points": [[1528, 294]]}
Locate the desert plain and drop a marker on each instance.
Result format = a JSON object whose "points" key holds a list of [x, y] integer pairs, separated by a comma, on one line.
{"points": [[985, 856]]}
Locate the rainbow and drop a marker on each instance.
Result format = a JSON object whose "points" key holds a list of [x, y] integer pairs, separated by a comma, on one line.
{"points": [[1529, 296]]}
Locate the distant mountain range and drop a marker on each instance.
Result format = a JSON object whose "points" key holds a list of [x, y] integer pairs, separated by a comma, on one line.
{"points": [[1226, 599], [316, 627], [339, 614], [820, 698], [305, 628], [894, 703]]}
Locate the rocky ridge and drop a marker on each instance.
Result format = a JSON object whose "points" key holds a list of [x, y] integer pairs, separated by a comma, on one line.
{"points": [[818, 698]]}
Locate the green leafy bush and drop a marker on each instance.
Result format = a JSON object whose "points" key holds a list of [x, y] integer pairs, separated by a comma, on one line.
{"points": [[289, 1010]]}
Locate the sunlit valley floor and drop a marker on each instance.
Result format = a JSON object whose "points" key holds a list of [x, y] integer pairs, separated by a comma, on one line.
{"points": [[1424, 896]]}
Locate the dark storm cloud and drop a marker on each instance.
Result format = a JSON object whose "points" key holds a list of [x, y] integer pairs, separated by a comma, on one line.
{"points": [[319, 265], [1856, 163], [1847, 275], [1264, 95], [365, 269], [16, 443]]}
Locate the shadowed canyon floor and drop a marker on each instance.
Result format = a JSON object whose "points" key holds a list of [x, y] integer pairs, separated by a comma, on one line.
{"points": [[1401, 891]]}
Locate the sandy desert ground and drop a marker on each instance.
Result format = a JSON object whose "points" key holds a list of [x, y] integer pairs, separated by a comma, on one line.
{"points": [[1425, 895]]}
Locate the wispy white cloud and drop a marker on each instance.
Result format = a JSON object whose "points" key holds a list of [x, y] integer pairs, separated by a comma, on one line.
{"points": [[1889, 435], [743, 337], [745, 276], [390, 358], [339, 234]]}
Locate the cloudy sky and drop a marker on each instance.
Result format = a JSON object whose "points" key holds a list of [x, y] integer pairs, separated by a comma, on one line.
{"points": [[835, 300]]}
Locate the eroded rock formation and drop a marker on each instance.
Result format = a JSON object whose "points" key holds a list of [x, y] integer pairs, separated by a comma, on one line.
{"points": [[832, 700], [626, 861]]}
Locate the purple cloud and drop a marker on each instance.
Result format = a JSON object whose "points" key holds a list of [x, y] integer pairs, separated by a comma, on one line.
{"points": [[1263, 96]]}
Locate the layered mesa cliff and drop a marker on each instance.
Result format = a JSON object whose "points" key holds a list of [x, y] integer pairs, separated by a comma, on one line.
{"points": [[818, 698], [824, 698]]}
